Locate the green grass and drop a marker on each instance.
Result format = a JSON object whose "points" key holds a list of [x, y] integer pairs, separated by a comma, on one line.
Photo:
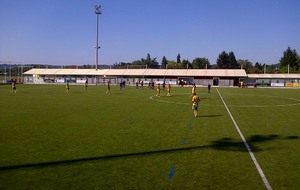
{"points": [[125, 140]]}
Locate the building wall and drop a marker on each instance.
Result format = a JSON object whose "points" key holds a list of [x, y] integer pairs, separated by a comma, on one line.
{"points": [[131, 80]]}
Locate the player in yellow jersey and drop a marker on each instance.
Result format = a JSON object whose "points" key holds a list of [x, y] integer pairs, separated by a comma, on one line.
{"points": [[108, 88], [67, 87], [193, 90], [169, 89], [158, 90], [195, 101]]}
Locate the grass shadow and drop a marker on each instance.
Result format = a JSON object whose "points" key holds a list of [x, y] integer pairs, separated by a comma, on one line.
{"points": [[292, 137], [72, 161], [210, 116], [224, 144], [229, 144]]}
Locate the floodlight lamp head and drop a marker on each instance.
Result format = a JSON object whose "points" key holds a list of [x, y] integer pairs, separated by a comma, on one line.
{"points": [[97, 9]]}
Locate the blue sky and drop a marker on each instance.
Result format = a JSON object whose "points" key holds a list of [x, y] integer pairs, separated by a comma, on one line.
{"points": [[63, 32]]}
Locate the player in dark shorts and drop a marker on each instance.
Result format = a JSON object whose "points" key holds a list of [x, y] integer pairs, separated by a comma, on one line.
{"points": [[14, 87]]}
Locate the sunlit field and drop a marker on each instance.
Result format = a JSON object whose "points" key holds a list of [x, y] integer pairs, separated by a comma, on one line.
{"points": [[131, 139]]}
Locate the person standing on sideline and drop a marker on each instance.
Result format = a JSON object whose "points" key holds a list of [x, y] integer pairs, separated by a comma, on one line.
{"points": [[208, 87], [158, 90], [142, 84], [121, 85], [67, 87], [14, 86], [169, 89], [108, 88], [137, 84], [195, 101], [86, 85]]}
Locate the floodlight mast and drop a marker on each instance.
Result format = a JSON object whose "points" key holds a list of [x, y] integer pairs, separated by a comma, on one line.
{"points": [[97, 12]]}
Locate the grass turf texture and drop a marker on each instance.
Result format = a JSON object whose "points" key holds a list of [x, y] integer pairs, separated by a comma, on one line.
{"points": [[125, 140]]}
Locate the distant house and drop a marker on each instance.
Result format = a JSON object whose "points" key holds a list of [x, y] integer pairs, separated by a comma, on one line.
{"points": [[274, 80]]}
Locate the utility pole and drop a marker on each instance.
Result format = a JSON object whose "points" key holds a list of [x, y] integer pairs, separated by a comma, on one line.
{"points": [[98, 12]]}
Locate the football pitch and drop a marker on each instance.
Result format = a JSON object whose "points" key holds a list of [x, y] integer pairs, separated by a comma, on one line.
{"points": [[243, 138]]}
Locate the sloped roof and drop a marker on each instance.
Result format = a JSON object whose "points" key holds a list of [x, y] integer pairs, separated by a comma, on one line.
{"points": [[175, 72], [274, 76], [196, 72], [96, 72], [142, 72], [155, 72], [135, 72]]}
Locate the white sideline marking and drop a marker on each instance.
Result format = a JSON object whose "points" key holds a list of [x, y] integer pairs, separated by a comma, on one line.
{"points": [[260, 171]]}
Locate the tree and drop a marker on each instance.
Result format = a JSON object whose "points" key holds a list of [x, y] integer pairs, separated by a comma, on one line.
{"points": [[232, 61], [227, 61], [273, 68], [289, 59], [120, 65], [222, 61], [172, 65], [245, 64], [151, 63], [178, 58], [138, 62], [164, 62], [201, 63], [258, 66], [185, 64]]}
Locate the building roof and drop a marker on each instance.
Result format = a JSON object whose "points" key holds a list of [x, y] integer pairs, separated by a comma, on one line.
{"points": [[274, 76], [142, 72]]}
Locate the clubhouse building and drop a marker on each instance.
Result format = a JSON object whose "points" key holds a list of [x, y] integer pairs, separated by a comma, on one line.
{"points": [[215, 77]]}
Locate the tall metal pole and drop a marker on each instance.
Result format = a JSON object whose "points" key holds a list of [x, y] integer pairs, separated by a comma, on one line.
{"points": [[97, 11], [97, 46], [10, 72], [5, 73]]}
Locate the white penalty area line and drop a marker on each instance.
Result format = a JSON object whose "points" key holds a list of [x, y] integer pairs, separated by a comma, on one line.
{"points": [[260, 171]]}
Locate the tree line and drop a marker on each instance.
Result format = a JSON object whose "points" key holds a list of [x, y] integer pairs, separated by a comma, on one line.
{"points": [[289, 62]]}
